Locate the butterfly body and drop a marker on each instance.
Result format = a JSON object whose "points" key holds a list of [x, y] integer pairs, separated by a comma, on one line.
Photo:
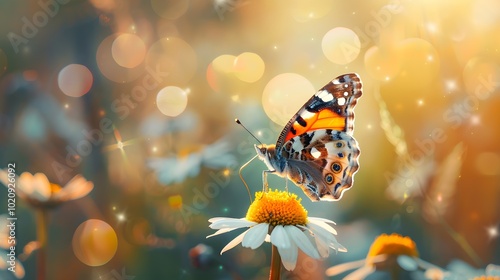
{"points": [[316, 149]]}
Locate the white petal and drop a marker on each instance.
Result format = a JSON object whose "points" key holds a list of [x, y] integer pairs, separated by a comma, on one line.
{"points": [[279, 237], [360, 273], [77, 188], [231, 223], [321, 220], [221, 231], [407, 263], [323, 225], [40, 187], [234, 242], [4, 178], [286, 248], [268, 238], [302, 241], [325, 236], [255, 236], [340, 268]]}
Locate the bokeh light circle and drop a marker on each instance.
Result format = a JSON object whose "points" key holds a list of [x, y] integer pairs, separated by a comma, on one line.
{"points": [[341, 45], [303, 11], [419, 63], [480, 76], [170, 9], [382, 64], [128, 50], [488, 163], [171, 101], [75, 80], [249, 67], [94, 242], [224, 63], [174, 56], [3, 62], [284, 95], [110, 68]]}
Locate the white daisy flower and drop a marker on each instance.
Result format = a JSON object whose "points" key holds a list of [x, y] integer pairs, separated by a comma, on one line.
{"points": [[279, 218], [39, 192]]}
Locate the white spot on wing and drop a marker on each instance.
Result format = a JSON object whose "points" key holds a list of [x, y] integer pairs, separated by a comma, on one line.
{"points": [[306, 114], [325, 96], [315, 153], [341, 101]]}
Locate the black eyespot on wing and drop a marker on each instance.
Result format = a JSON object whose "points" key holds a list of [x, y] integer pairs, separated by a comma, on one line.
{"points": [[340, 155], [339, 144], [336, 167], [329, 178]]}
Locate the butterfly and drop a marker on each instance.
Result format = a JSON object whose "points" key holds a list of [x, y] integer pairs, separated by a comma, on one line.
{"points": [[316, 149]]}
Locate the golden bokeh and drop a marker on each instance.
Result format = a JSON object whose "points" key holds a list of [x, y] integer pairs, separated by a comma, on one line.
{"points": [[341, 45], [75, 80], [284, 95], [171, 101], [94, 242], [128, 50]]}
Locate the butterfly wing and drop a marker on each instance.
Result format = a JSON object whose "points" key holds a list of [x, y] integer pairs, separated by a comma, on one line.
{"points": [[322, 162], [330, 108], [320, 153]]}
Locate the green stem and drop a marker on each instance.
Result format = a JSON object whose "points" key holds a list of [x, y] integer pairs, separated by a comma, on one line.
{"points": [[41, 234], [274, 273]]}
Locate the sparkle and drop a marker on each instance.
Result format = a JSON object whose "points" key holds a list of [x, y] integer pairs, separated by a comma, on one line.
{"points": [[432, 27], [66, 106], [492, 231], [451, 85], [475, 120], [259, 133], [369, 126], [119, 144], [114, 208], [420, 102], [387, 78], [226, 172], [121, 217], [187, 90], [430, 58], [275, 47], [235, 98], [154, 149]]}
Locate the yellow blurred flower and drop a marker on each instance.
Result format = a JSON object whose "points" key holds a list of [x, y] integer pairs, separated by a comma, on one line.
{"points": [[39, 192], [385, 253]]}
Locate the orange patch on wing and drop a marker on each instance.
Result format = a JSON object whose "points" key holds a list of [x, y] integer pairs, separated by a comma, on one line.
{"points": [[325, 119]]}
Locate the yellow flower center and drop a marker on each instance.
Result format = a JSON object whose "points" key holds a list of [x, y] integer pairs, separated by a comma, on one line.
{"points": [[393, 244], [277, 208], [54, 188]]}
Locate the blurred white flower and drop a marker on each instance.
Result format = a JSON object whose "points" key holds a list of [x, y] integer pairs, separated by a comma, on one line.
{"points": [[39, 192], [170, 170]]}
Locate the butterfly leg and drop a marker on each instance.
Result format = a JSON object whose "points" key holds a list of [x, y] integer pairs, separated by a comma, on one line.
{"points": [[265, 186]]}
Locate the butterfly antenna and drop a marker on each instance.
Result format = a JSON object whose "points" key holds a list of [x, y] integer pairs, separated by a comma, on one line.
{"points": [[243, 180], [238, 122]]}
